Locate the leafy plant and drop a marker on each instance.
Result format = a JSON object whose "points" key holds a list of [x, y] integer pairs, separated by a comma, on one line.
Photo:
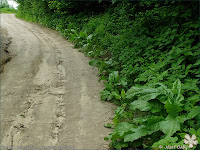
{"points": [[8, 10], [166, 113], [112, 88]]}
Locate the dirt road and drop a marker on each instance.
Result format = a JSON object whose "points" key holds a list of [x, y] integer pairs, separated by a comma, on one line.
{"points": [[49, 93], [5, 42]]}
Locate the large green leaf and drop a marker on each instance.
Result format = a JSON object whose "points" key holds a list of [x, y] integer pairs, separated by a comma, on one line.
{"points": [[173, 109], [153, 123], [148, 97], [156, 106], [182, 118], [123, 127], [170, 125], [163, 89], [165, 141], [140, 104], [139, 119], [131, 93], [148, 93], [137, 133], [134, 91]]}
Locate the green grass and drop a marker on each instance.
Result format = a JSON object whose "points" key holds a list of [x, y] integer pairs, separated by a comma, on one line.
{"points": [[8, 10]]}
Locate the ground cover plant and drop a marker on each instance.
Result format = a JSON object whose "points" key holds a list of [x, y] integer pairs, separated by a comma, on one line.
{"points": [[8, 10], [147, 53]]}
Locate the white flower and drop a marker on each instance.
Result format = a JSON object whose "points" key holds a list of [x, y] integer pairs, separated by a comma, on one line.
{"points": [[191, 141]]}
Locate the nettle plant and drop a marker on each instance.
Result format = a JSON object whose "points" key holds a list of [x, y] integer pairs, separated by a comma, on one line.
{"points": [[168, 118]]}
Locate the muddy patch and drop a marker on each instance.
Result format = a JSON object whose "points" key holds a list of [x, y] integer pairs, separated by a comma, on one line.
{"points": [[49, 93], [5, 42]]}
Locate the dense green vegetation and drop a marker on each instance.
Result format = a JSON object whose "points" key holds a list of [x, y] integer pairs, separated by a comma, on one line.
{"points": [[5, 8], [8, 10], [148, 55]]}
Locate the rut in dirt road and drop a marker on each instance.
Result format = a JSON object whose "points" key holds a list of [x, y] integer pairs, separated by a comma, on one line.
{"points": [[49, 93]]}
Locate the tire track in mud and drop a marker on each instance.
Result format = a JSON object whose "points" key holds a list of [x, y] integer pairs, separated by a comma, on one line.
{"points": [[60, 105], [19, 123], [26, 119]]}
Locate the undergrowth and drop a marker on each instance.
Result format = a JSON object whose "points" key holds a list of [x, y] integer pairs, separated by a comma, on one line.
{"points": [[8, 10], [148, 55]]}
